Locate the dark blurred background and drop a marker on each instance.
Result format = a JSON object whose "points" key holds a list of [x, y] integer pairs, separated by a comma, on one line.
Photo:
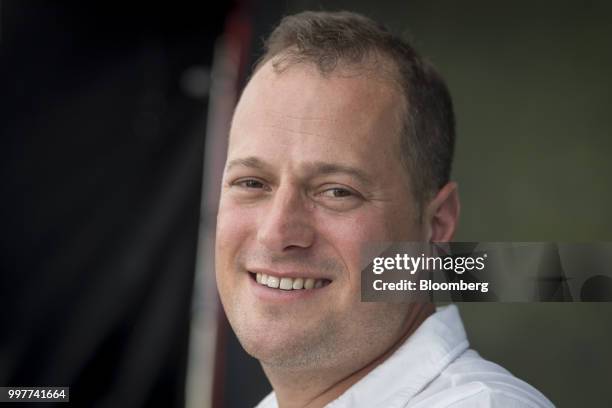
{"points": [[102, 138], [107, 205]]}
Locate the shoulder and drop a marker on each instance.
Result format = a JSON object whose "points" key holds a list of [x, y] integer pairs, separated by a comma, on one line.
{"points": [[471, 381], [268, 402]]}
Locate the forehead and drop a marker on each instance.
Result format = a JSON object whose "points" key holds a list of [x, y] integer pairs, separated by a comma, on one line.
{"points": [[346, 98]]}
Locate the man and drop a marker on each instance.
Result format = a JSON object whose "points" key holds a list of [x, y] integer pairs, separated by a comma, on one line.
{"points": [[343, 136]]}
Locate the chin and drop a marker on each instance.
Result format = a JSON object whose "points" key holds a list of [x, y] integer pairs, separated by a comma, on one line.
{"points": [[269, 348], [262, 349]]}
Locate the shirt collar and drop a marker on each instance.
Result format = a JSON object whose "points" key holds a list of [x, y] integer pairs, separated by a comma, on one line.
{"points": [[436, 343]]}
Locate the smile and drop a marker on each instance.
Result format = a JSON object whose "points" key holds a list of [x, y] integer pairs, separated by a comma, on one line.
{"points": [[285, 283]]}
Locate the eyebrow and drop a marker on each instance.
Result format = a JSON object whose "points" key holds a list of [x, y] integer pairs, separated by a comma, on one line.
{"points": [[325, 168], [250, 162], [315, 167]]}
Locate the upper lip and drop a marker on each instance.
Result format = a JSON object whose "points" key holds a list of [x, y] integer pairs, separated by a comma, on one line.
{"points": [[288, 273]]}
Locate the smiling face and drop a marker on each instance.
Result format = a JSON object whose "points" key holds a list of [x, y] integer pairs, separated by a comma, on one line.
{"points": [[313, 173]]}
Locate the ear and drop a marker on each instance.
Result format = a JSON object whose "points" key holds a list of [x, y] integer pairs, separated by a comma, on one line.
{"points": [[442, 214]]}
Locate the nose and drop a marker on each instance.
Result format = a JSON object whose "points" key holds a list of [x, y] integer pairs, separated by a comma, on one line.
{"points": [[286, 222]]}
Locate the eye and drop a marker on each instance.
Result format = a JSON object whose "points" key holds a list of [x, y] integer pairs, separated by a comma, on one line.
{"points": [[339, 198], [337, 192], [249, 184]]}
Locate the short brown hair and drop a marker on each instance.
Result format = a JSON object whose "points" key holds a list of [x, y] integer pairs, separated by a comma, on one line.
{"points": [[331, 38]]}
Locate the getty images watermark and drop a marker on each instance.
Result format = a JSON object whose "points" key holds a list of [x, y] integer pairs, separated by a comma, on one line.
{"points": [[412, 265], [487, 271]]}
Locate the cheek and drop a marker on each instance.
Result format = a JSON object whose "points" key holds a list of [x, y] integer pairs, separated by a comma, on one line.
{"points": [[359, 227], [233, 229], [350, 236], [233, 221]]}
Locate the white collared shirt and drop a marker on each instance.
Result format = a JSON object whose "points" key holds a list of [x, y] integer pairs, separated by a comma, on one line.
{"points": [[435, 368]]}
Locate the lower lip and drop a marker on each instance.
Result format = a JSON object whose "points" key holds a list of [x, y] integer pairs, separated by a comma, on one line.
{"points": [[280, 295]]}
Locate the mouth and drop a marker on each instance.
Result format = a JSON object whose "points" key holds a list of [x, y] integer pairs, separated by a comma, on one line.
{"points": [[288, 284]]}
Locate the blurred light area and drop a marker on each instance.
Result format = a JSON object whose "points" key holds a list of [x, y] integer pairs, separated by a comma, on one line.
{"points": [[203, 342], [195, 82]]}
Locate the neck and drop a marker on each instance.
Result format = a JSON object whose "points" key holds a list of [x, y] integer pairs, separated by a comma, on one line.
{"points": [[315, 388]]}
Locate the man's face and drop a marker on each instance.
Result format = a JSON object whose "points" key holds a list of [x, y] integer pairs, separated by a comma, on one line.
{"points": [[313, 173]]}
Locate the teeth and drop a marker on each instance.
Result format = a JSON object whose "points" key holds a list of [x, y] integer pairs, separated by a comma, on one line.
{"points": [[286, 283], [273, 282], [309, 283], [289, 283], [298, 283]]}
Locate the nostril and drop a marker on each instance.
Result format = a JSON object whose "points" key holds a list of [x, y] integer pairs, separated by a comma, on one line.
{"points": [[284, 230]]}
